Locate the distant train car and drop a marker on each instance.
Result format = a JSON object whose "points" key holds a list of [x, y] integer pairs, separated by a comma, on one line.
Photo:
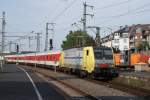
{"points": [[117, 59], [132, 59], [121, 59], [96, 61]]}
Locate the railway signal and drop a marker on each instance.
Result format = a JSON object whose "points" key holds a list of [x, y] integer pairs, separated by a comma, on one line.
{"points": [[46, 38]]}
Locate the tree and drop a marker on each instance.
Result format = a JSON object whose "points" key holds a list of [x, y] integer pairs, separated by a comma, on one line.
{"points": [[77, 39], [143, 46], [115, 50]]}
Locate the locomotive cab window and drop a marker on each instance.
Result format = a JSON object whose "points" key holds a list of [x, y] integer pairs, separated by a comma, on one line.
{"points": [[98, 53], [108, 54]]}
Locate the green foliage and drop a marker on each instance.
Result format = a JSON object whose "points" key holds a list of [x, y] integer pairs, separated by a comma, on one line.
{"points": [[115, 50], [77, 39], [143, 46]]}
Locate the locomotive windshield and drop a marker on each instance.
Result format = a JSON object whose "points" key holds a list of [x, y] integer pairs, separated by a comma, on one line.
{"points": [[108, 54], [98, 54], [101, 53]]}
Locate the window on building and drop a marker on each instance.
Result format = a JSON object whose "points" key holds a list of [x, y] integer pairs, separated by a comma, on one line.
{"points": [[125, 40], [116, 40], [117, 47], [116, 34], [125, 47], [125, 35]]}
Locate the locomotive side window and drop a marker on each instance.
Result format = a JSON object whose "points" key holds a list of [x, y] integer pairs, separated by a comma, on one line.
{"points": [[87, 52]]}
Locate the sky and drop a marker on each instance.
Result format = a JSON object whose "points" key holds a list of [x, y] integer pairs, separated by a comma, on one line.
{"points": [[25, 16]]}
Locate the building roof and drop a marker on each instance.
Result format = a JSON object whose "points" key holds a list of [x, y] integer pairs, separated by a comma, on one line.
{"points": [[145, 28]]}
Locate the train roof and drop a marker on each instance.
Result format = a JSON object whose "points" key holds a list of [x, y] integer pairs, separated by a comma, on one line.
{"points": [[33, 53]]}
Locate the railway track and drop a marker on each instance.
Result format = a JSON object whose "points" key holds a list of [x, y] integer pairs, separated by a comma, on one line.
{"points": [[110, 84], [90, 97], [86, 96]]}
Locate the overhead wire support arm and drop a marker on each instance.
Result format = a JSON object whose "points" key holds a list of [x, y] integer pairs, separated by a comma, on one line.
{"points": [[75, 24], [98, 37]]}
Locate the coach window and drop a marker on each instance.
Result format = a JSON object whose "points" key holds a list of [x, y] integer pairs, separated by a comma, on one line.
{"points": [[40, 57], [54, 57], [47, 58], [43, 57], [50, 57]]}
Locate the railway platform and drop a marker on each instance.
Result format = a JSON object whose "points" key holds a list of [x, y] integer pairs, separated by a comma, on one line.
{"points": [[135, 74], [134, 79], [17, 83]]}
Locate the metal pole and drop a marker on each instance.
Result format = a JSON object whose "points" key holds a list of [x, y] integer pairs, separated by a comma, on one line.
{"points": [[98, 37], [10, 44], [35, 60], [29, 42], [3, 40], [84, 17], [38, 42], [46, 38], [3, 32]]}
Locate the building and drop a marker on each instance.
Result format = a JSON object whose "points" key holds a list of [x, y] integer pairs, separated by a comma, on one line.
{"points": [[128, 37], [121, 41], [139, 33], [118, 40], [107, 41]]}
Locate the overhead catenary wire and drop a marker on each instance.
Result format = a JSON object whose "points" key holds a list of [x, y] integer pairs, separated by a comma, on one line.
{"points": [[133, 11], [114, 5], [111, 17], [146, 10], [63, 11], [128, 12], [66, 8]]}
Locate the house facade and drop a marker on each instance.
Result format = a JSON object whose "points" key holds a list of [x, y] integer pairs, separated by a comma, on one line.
{"points": [[138, 34], [128, 37]]}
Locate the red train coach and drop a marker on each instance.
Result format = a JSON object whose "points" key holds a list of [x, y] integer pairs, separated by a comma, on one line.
{"points": [[45, 58]]}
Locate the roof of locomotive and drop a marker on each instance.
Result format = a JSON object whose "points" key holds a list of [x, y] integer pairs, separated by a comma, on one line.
{"points": [[102, 47], [94, 47]]}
